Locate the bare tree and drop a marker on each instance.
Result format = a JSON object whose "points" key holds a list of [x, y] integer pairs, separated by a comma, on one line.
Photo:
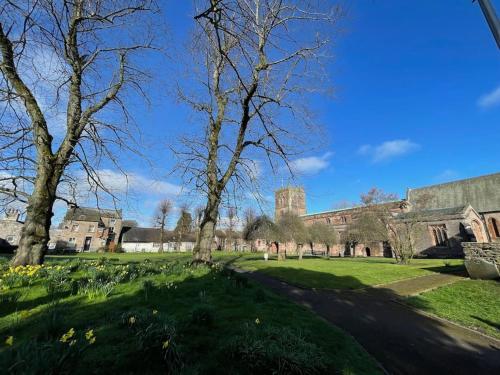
{"points": [[262, 228], [384, 220], [162, 212], [258, 62], [92, 44], [293, 229], [324, 234]]}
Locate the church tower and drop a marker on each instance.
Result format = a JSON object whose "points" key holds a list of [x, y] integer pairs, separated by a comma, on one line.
{"points": [[289, 199]]}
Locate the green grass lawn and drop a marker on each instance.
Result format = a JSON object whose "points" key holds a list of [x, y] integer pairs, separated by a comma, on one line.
{"points": [[345, 273], [161, 316], [471, 303]]}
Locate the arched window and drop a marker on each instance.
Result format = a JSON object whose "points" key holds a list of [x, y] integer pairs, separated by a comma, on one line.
{"points": [[439, 234], [494, 227]]}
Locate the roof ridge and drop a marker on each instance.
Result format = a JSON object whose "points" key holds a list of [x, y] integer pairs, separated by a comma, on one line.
{"points": [[456, 181]]}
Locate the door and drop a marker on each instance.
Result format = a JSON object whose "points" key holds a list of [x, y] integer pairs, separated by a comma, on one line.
{"points": [[86, 244]]}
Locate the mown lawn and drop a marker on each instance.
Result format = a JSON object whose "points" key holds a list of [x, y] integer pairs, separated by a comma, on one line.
{"points": [[161, 316], [472, 303], [345, 273]]}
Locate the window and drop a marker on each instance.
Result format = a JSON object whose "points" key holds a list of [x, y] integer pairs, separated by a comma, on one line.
{"points": [[91, 228], [328, 220], [111, 230], [72, 240], [75, 227], [494, 227], [112, 222], [343, 219], [439, 235]]}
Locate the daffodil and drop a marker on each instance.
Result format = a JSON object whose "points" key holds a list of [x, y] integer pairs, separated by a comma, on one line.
{"points": [[155, 312], [131, 320], [89, 334], [165, 344], [257, 321], [72, 342], [67, 335], [9, 341]]}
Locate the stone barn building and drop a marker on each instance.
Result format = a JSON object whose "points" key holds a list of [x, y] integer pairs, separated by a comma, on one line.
{"points": [[452, 213]]}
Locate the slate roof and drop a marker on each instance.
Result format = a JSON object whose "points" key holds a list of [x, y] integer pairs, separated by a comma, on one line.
{"points": [[437, 214], [482, 193], [90, 214]]}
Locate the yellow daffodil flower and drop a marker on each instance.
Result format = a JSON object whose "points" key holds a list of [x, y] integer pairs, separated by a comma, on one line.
{"points": [[9, 341]]}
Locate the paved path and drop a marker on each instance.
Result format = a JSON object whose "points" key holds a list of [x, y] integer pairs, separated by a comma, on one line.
{"points": [[421, 284], [403, 340]]}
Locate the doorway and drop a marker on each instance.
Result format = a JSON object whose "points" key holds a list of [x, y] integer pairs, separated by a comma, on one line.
{"points": [[368, 252], [86, 244]]}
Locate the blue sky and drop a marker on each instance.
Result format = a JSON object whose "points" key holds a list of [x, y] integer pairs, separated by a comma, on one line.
{"points": [[417, 102]]}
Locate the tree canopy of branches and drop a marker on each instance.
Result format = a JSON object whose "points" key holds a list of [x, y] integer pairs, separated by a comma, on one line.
{"points": [[261, 228], [381, 221], [324, 234], [184, 224], [292, 229], [257, 60], [162, 212], [53, 120]]}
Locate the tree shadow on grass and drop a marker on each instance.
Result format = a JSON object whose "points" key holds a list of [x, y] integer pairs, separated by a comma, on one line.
{"points": [[399, 336], [235, 303]]}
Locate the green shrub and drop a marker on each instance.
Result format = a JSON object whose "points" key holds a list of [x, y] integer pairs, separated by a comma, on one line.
{"points": [[57, 280], [95, 289], [276, 350]]}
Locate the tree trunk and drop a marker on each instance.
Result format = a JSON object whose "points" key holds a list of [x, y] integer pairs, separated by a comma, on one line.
{"points": [[300, 251], [160, 249], [35, 231], [281, 251], [202, 252]]}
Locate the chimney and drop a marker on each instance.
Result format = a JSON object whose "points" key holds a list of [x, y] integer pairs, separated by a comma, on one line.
{"points": [[12, 214]]}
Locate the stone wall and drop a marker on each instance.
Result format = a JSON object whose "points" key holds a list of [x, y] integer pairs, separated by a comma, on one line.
{"points": [[489, 251]]}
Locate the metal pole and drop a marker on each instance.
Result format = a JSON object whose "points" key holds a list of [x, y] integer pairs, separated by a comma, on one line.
{"points": [[491, 18]]}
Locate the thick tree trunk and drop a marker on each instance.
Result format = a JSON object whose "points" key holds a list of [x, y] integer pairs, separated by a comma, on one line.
{"points": [[202, 252], [35, 232]]}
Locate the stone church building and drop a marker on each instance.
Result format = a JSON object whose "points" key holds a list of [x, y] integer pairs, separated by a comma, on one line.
{"points": [[452, 213]]}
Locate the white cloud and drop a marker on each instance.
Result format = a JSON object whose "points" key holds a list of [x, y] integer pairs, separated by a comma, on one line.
{"points": [[389, 149], [490, 99], [118, 183], [310, 165]]}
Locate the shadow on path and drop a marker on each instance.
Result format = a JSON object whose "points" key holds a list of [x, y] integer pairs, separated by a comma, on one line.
{"points": [[403, 340]]}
